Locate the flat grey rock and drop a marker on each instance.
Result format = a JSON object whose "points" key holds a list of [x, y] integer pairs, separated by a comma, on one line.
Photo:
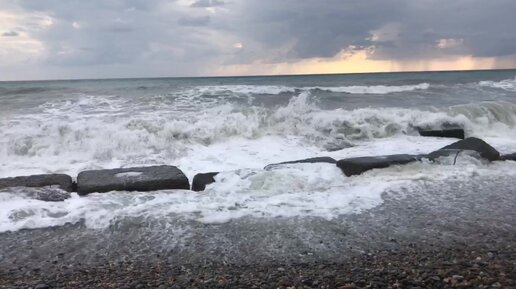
{"points": [[357, 166], [132, 179], [451, 133], [61, 181]]}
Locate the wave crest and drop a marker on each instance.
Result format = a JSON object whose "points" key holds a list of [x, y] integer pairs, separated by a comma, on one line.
{"points": [[279, 89], [506, 84], [111, 137]]}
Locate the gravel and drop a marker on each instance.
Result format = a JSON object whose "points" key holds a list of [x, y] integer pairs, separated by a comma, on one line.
{"points": [[415, 266], [452, 235]]}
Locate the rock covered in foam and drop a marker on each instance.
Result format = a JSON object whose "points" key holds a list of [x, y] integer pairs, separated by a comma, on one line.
{"points": [[49, 194], [200, 181], [357, 166], [305, 161], [473, 144], [132, 179], [61, 181]]}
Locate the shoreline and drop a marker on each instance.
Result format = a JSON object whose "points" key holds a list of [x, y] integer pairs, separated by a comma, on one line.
{"points": [[449, 225]]}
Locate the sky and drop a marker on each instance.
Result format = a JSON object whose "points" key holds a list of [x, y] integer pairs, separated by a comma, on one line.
{"points": [[63, 39]]}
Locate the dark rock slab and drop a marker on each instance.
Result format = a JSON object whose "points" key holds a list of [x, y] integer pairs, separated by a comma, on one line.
{"points": [[200, 181], [509, 157], [132, 179], [445, 130], [452, 133], [356, 166], [473, 144], [305, 161], [36, 181], [451, 152]]}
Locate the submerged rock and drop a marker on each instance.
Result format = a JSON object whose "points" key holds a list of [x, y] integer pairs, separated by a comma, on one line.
{"points": [[50, 194], [200, 181], [356, 166], [132, 179], [452, 131], [305, 161], [509, 157], [47, 194], [473, 144], [36, 181]]}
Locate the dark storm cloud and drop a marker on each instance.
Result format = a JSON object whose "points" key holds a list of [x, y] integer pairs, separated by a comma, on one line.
{"points": [[170, 37], [483, 27], [118, 32], [318, 30], [323, 28]]}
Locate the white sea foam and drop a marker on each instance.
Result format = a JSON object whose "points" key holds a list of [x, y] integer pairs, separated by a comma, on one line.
{"points": [[128, 175], [110, 132], [84, 135], [278, 89], [294, 190], [373, 89], [507, 84]]}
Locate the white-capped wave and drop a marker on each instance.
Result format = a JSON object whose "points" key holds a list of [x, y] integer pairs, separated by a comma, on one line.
{"points": [[279, 89], [114, 134], [507, 84], [373, 89]]}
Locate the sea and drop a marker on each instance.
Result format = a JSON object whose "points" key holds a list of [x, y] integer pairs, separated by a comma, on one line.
{"points": [[237, 126]]}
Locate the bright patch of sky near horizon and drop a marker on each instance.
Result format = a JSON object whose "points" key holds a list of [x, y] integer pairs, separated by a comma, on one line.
{"points": [[135, 38]]}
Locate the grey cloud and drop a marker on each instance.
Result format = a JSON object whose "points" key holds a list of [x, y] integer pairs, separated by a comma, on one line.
{"points": [[207, 3], [121, 32], [194, 21], [322, 29], [169, 37], [10, 34]]}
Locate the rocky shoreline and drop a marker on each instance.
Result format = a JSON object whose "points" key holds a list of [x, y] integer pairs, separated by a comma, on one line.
{"points": [[452, 235], [489, 265]]}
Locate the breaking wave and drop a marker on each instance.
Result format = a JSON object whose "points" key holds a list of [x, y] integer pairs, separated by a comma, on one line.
{"points": [[507, 84], [273, 89], [104, 132]]}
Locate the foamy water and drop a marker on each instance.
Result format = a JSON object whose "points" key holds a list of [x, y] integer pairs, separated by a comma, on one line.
{"points": [[237, 129]]}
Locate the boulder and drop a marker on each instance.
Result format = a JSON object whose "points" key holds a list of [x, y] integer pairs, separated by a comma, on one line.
{"points": [[356, 166], [200, 181], [132, 179], [449, 130], [454, 153], [305, 161], [61, 181], [509, 157], [473, 144], [452, 133]]}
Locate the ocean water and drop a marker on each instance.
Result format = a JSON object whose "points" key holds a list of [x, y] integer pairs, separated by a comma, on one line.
{"points": [[237, 126]]}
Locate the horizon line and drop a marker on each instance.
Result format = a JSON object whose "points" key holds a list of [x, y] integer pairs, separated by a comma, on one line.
{"points": [[260, 75]]}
